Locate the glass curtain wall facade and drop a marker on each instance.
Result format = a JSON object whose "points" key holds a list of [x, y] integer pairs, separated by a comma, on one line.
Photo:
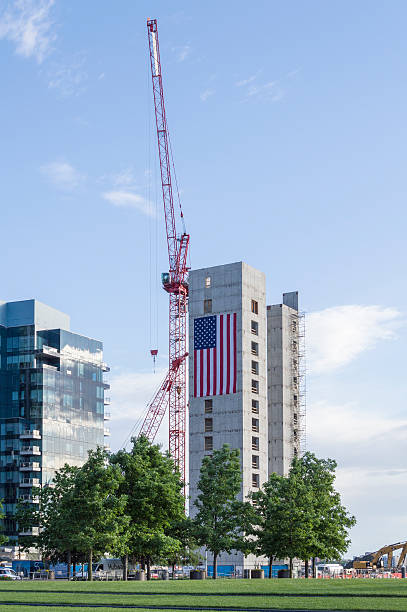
{"points": [[52, 398]]}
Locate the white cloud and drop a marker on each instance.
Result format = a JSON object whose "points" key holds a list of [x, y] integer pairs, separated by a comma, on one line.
{"points": [[182, 52], [128, 199], [353, 427], [369, 446], [250, 79], [131, 392], [28, 24], [62, 175], [124, 178], [336, 336], [268, 91], [206, 94]]}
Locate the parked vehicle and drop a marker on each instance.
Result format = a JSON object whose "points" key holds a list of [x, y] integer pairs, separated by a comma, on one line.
{"points": [[103, 569], [6, 573]]}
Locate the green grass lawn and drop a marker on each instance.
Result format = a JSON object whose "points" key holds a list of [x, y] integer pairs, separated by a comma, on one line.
{"points": [[224, 594]]}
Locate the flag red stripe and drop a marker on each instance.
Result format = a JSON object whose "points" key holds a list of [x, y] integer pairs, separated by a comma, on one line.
{"points": [[201, 373], [208, 372], [195, 372], [214, 372], [228, 354], [234, 352], [221, 355]]}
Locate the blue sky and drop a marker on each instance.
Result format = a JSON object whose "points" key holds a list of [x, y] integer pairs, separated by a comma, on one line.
{"points": [[289, 135]]}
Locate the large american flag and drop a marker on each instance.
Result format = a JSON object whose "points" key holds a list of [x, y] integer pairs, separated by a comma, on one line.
{"points": [[215, 355]]}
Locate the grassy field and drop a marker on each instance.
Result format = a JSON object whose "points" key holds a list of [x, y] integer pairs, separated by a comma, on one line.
{"points": [[210, 595]]}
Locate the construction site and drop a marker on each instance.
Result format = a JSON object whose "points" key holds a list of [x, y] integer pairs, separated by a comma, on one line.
{"points": [[237, 366]]}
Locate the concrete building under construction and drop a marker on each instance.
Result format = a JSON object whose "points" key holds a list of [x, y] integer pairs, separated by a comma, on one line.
{"points": [[245, 379]]}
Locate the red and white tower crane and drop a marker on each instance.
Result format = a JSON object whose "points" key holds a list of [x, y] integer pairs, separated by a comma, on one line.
{"points": [[173, 391]]}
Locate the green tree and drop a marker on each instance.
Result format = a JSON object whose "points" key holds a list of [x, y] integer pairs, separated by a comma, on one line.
{"points": [[154, 501], [80, 514], [265, 520], [331, 521], [97, 507], [301, 516], [53, 517], [220, 519]]}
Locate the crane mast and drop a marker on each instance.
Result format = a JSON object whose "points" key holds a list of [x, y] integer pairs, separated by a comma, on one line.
{"points": [[173, 390]]}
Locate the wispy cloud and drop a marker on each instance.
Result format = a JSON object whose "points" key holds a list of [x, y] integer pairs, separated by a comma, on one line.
{"points": [[125, 178], [29, 25], [62, 175], [267, 91], [271, 91], [244, 82], [336, 336], [206, 94], [129, 199], [68, 79], [182, 52]]}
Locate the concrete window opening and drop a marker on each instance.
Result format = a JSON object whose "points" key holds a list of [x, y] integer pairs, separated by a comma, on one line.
{"points": [[295, 452], [208, 406], [208, 443], [255, 425], [255, 444], [255, 406], [295, 416], [207, 306], [255, 481], [255, 348], [255, 386], [255, 328], [255, 307], [255, 462], [208, 424], [207, 282], [255, 367]]}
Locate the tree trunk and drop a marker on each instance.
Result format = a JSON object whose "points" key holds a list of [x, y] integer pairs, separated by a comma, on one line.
{"points": [[90, 561], [271, 567], [173, 571], [314, 568], [215, 566], [69, 564], [306, 567], [125, 566], [291, 567], [148, 569]]}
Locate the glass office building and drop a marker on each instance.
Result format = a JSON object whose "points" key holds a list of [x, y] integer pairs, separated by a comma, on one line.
{"points": [[52, 401]]}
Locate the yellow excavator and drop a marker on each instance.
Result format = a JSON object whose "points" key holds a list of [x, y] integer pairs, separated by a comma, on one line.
{"points": [[376, 559]]}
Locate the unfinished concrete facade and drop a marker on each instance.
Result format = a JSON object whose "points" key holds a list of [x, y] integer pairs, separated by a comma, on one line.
{"points": [[283, 382], [238, 419], [259, 417]]}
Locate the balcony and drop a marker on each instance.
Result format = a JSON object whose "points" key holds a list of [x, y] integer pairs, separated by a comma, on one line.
{"points": [[35, 434], [30, 450], [30, 466], [30, 531], [29, 499], [106, 432], [105, 367], [107, 416], [107, 401], [106, 448], [30, 482], [50, 351]]}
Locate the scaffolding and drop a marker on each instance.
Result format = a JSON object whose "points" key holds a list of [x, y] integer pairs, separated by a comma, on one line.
{"points": [[298, 369]]}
